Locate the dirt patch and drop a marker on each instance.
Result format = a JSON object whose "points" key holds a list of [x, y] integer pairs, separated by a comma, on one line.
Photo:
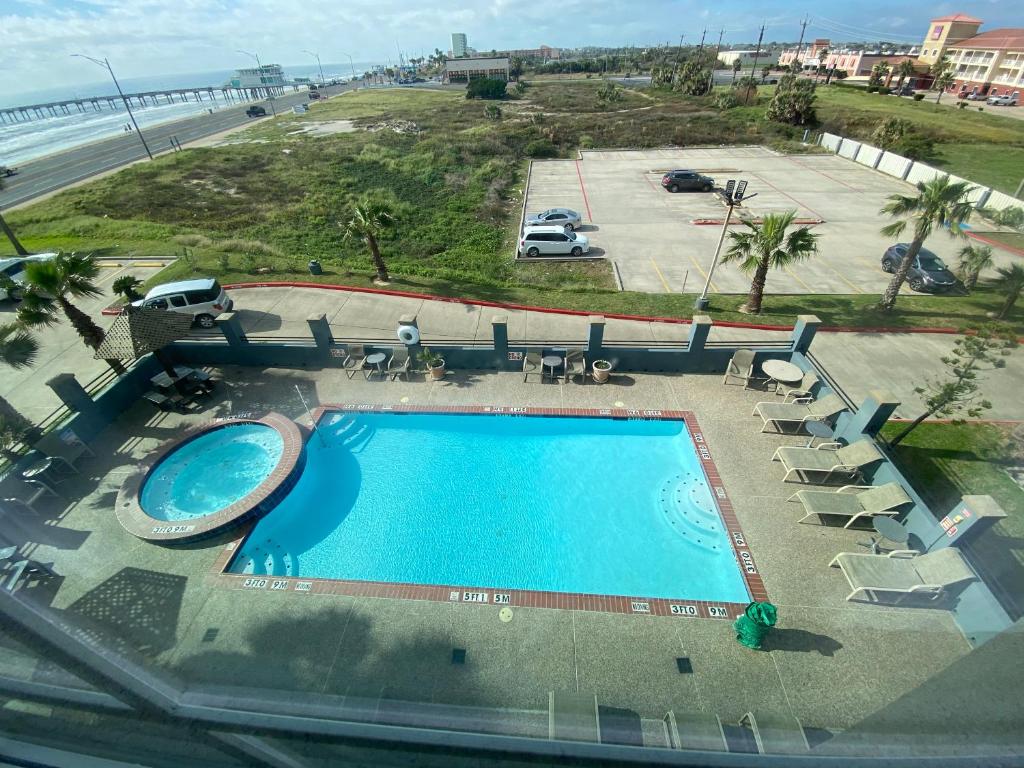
{"points": [[326, 128]]}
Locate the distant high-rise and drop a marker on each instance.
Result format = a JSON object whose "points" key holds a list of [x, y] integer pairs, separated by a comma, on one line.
{"points": [[459, 44]]}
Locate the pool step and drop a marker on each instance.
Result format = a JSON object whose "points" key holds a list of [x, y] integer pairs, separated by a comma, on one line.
{"points": [[687, 507], [268, 559], [348, 431]]}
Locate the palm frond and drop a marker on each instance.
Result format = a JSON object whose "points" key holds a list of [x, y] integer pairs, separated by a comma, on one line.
{"points": [[37, 310], [18, 347]]}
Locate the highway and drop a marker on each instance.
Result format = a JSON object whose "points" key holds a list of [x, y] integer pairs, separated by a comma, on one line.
{"points": [[53, 172]]}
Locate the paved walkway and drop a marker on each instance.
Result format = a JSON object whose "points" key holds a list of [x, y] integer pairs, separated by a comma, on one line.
{"points": [[860, 362]]}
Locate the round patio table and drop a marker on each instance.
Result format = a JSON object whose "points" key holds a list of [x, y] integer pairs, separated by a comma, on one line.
{"points": [[551, 362], [781, 372], [816, 429], [376, 359], [889, 529]]}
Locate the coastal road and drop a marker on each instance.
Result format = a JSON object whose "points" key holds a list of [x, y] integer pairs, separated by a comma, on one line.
{"points": [[52, 172]]}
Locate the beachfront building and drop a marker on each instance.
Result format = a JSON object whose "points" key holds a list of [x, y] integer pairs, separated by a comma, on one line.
{"points": [[544, 52], [264, 80], [747, 58], [990, 64], [464, 70], [810, 57], [944, 32], [861, 63]]}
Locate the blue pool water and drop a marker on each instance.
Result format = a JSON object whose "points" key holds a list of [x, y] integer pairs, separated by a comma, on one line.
{"points": [[582, 505], [211, 472]]}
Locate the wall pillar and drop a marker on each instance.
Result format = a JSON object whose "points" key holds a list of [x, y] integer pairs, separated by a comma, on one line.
{"points": [[869, 417], [71, 393], [321, 331], [595, 337], [700, 327], [804, 331], [232, 329], [499, 332]]}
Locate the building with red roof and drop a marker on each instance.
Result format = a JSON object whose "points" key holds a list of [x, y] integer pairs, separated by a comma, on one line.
{"points": [[988, 64]]}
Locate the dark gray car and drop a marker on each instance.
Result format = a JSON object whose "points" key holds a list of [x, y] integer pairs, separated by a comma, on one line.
{"points": [[928, 273], [677, 181]]}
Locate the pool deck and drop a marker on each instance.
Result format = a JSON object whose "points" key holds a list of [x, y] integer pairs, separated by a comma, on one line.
{"points": [[830, 663]]}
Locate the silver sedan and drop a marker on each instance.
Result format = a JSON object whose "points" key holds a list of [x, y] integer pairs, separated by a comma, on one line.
{"points": [[554, 217]]}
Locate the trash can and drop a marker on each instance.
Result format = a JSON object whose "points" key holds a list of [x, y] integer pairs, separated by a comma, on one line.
{"points": [[315, 268], [753, 626]]}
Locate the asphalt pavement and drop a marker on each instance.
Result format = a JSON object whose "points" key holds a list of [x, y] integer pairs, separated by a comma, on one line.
{"points": [[52, 172]]}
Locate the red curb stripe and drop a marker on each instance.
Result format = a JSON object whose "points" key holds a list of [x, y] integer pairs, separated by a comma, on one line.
{"points": [[997, 244], [736, 222], [583, 189]]}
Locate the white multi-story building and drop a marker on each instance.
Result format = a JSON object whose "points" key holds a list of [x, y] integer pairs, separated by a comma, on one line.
{"points": [[460, 45], [991, 63], [268, 76]]}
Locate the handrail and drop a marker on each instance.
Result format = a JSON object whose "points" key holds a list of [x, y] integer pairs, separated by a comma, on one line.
{"points": [[829, 379], [762, 344]]}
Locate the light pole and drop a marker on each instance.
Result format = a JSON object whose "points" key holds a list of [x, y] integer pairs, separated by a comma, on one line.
{"points": [[259, 66], [353, 66], [117, 85], [733, 196], [317, 57]]}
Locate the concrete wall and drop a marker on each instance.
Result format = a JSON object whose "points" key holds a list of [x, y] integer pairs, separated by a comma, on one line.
{"points": [[830, 141], [1000, 202], [869, 155], [894, 165], [920, 172], [849, 149]]}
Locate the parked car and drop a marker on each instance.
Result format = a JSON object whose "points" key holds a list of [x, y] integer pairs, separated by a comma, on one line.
{"points": [[676, 181], [549, 241], [7, 170], [12, 274], [906, 90], [975, 96], [565, 217], [204, 299], [928, 273], [1006, 100], [256, 112]]}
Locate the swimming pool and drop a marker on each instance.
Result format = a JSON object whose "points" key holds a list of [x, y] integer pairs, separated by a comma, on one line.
{"points": [[599, 506]]}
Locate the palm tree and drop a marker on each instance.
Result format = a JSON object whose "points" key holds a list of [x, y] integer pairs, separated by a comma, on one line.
{"points": [[768, 246], [369, 220], [50, 284], [1011, 283], [737, 65], [973, 259], [6, 229], [18, 349], [943, 82], [128, 287], [904, 69], [938, 202]]}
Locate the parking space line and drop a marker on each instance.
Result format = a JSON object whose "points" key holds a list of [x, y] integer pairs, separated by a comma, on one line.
{"points": [[661, 277], [793, 274], [583, 189], [703, 274], [806, 207], [815, 170]]}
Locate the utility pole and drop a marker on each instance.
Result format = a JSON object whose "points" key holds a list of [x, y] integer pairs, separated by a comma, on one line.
{"points": [[800, 45], [700, 47], [718, 48], [127, 106], [679, 55], [757, 53]]}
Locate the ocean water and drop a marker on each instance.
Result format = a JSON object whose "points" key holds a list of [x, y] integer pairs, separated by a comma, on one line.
{"points": [[21, 142], [211, 472], [579, 505]]}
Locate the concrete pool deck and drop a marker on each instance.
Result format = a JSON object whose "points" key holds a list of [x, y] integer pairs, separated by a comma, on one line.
{"points": [[830, 663]]}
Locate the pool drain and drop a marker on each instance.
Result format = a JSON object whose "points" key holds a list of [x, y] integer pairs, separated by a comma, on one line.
{"points": [[505, 614]]}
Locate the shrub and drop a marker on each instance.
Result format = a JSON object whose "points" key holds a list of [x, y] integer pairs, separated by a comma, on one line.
{"points": [[540, 148], [223, 262], [872, 89], [238, 245], [249, 263], [890, 131], [918, 96], [792, 102], [486, 88], [726, 100], [884, 91], [492, 112], [916, 146], [192, 240]]}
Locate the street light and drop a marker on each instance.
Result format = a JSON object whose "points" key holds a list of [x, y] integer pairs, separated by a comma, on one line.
{"points": [[350, 63], [317, 57], [117, 85], [270, 94], [733, 195]]}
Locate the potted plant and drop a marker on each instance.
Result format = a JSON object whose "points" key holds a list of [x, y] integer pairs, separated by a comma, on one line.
{"points": [[602, 369], [434, 364]]}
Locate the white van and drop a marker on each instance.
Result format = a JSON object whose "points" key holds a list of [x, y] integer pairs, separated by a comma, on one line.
{"points": [[203, 299], [548, 241]]}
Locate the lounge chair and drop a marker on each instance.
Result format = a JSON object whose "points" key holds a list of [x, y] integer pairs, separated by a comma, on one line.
{"points": [[575, 365], [799, 411], [904, 572], [776, 733], [695, 730], [801, 390], [829, 459], [852, 502], [354, 360], [741, 367], [33, 491], [64, 446], [532, 363], [398, 364]]}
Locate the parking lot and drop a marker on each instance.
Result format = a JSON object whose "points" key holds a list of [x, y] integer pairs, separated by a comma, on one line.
{"points": [[650, 236]]}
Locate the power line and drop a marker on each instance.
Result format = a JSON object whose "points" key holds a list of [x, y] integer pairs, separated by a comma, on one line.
{"points": [[848, 29]]}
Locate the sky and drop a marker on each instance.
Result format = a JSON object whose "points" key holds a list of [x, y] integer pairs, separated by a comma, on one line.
{"points": [[153, 37]]}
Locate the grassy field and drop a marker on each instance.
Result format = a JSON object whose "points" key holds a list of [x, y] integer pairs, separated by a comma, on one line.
{"points": [[260, 207]]}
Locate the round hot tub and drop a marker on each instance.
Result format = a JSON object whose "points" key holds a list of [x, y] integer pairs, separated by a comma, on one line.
{"points": [[215, 476]]}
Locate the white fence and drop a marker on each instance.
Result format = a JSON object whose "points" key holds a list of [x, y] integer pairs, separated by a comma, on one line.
{"points": [[910, 170]]}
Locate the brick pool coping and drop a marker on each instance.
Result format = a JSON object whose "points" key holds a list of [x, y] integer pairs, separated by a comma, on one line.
{"points": [[488, 595], [257, 503]]}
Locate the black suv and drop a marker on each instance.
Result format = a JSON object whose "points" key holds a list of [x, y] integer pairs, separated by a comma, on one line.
{"points": [[256, 112], [927, 274], [676, 181]]}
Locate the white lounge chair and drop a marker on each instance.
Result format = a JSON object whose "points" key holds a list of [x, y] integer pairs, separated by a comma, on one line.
{"points": [[354, 360], [801, 390], [904, 573], [695, 730], [798, 412], [828, 461], [740, 367], [64, 446], [851, 502]]}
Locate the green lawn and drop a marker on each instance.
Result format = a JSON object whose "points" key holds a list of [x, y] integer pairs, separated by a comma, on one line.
{"points": [[1012, 239]]}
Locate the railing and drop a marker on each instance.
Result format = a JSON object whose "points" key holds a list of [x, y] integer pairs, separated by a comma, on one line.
{"points": [[829, 380], [785, 344]]}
